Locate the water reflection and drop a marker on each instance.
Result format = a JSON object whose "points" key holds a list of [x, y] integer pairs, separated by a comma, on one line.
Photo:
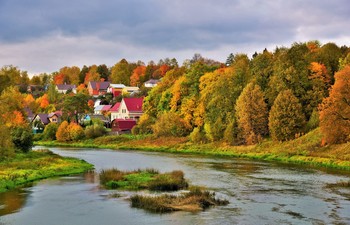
{"points": [[259, 193], [12, 201]]}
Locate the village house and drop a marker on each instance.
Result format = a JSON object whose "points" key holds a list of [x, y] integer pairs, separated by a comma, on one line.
{"points": [[151, 83], [40, 120], [114, 111], [96, 88], [116, 89], [130, 90], [99, 109], [122, 125], [129, 108], [64, 88]]}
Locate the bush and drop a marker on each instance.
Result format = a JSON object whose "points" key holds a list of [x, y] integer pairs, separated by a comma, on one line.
{"points": [[50, 131], [95, 131], [170, 124], [76, 132], [144, 125], [22, 138], [62, 133]]}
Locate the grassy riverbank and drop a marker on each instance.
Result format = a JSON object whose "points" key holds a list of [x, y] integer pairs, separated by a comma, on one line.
{"points": [[36, 165], [303, 150]]}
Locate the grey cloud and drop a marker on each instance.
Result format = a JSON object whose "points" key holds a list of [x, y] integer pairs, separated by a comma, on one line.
{"points": [[174, 26]]}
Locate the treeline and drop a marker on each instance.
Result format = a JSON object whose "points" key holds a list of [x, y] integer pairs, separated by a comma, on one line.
{"points": [[281, 94]]}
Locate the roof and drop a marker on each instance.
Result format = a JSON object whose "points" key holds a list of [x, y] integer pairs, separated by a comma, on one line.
{"points": [[65, 87], [43, 118], [117, 85], [123, 124], [115, 108], [106, 107], [57, 113], [133, 104], [99, 108], [152, 81], [129, 88], [103, 85]]}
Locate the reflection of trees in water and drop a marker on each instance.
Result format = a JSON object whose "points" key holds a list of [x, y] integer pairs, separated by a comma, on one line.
{"points": [[12, 201]]}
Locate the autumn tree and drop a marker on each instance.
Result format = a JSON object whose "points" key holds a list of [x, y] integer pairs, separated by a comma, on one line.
{"points": [[92, 75], [286, 118], [62, 133], [120, 73], [70, 74], [170, 124], [76, 132], [252, 114], [335, 110], [138, 76]]}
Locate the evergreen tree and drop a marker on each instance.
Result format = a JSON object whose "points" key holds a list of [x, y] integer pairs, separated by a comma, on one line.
{"points": [[252, 114], [286, 119]]}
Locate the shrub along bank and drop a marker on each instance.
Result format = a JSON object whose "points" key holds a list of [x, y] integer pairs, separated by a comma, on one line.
{"points": [[306, 149], [36, 165]]}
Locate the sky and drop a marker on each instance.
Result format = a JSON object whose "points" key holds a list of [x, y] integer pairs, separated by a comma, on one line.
{"points": [[42, 36]]}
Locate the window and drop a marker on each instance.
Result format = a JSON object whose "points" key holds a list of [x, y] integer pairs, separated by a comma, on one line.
{"points": [[123, 110]]}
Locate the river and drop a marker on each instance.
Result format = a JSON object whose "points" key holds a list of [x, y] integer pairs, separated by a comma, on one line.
{"points": [[259, 193]]}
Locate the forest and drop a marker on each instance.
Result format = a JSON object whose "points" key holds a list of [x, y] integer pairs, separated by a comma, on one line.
{"points": [[280, 95]]}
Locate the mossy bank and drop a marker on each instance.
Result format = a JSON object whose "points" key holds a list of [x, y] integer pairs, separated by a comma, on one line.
{"points": [[36, 165], [306, 149]]}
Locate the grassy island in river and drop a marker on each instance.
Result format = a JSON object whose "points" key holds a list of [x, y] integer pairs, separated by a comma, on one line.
{"points": [[36, 165]]}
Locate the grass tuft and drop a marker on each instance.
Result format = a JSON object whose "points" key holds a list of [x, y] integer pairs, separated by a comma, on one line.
{"points": [[195, 200]]}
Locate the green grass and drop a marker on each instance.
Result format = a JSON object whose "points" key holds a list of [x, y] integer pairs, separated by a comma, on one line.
{"points": [[36, 165], [149, 179], [306, 149]]}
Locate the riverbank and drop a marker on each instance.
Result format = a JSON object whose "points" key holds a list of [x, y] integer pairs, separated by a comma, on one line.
{"points": [[303, 150], [37, 165]]}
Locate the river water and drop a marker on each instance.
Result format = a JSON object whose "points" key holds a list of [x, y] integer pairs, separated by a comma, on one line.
{"points": [[259, 193]]}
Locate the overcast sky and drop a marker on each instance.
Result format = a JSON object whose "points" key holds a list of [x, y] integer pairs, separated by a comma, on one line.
{"points": [[44, 35]]}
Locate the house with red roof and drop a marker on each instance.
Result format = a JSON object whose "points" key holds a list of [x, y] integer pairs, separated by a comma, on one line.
{"points": [[122, 125], [114, 111], [97, 88], [129, 108]]}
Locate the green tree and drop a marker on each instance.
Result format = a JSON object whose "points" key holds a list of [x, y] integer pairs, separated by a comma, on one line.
{"points": [[50, 131], [75, 105], [22, 138], [252, 114], [286, 118], [120, 73], [6, 144]]}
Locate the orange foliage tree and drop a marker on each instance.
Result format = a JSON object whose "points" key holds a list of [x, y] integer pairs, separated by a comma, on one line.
{"points": [[59, 78], [335, 110], [137, 75], [62, 133]]}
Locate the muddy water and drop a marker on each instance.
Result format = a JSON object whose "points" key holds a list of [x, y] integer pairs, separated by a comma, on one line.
{"points": [[259, 193]]}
